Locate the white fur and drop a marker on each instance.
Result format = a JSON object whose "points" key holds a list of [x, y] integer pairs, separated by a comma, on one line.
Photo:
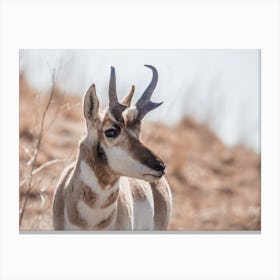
{"points": [[130, 113], [102, 112], [144, 214], [132, 215], [144, 210], [121, 162], [127, 222], [88, 176], [93, 216]]}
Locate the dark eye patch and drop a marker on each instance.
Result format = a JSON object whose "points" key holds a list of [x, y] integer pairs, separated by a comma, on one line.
{"points": [[112, 132]]}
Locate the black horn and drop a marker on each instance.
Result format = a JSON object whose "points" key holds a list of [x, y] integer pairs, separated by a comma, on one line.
{"points": [[144, 104], [115, 107]]}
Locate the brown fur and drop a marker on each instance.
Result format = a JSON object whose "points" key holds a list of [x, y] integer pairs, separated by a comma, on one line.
{"points": [[111, 199], [106, 222], [140, 152], [89, 197], [58, 203], [138, 190], [106, 178], [68, 192], [92, 152], [98, 164], [73, 195], [133, 125]]}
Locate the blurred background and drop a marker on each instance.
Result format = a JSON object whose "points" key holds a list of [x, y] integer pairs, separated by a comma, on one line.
{"points": [[207, 130]]}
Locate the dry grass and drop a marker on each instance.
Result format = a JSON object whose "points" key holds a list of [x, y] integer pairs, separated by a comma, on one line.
{"points": [[214, 187]]}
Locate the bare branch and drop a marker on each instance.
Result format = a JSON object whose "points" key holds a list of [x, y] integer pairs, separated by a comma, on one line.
{"points": [[46, 164], [33, 159], [26, 150]]}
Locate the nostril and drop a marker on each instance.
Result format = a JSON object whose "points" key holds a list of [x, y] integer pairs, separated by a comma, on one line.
{"points": [[159, 166]]}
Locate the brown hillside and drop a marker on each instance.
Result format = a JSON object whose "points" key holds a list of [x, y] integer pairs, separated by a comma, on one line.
{"points": [[214, 187]]}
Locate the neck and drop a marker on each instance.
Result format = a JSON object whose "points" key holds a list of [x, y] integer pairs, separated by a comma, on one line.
{"points": [[95, 158], [97, 191]]}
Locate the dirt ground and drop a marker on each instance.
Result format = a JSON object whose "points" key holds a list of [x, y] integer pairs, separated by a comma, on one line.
{"points": [[214, 187]]}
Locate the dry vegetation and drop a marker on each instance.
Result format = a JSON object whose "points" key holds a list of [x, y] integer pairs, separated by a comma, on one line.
{"points": [[214, 187]]}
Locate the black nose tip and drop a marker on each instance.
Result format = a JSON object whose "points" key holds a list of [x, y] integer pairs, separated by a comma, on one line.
{"points": [[159, 166]]}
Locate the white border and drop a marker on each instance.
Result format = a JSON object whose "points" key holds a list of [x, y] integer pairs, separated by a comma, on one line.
{"points": [[190, 24]]}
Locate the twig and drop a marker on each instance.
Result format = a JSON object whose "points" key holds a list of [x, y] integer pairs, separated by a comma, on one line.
{"points": [[32, 161], [27, 152], [41, 167], [48, 163]]}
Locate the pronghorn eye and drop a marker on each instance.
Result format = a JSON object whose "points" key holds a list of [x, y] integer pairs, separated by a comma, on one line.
{"points": [[112, 132]]}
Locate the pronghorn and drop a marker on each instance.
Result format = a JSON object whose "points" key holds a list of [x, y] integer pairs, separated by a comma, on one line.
{"points": [[117, 182]]}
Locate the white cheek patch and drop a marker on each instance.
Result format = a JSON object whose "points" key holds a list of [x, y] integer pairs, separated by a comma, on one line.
{"points": [[121, 162]]}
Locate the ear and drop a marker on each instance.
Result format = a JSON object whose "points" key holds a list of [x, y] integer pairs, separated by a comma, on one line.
{"points": [[127, 100], [91, 105]]}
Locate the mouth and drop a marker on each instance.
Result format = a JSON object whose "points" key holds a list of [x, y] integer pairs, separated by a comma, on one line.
{"points": [[158, 176]]}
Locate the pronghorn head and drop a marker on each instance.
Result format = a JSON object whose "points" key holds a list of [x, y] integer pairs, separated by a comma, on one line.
{"points": [[115, 132]]}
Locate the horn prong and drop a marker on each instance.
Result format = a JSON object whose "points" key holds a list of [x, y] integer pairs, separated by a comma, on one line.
{"points": [[127, 100]]}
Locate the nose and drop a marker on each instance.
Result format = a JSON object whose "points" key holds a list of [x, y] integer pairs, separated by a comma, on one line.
{"points": [[159, 166]]}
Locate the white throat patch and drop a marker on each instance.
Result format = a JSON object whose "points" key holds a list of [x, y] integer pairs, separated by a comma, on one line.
{"points": [[88, 176]]}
